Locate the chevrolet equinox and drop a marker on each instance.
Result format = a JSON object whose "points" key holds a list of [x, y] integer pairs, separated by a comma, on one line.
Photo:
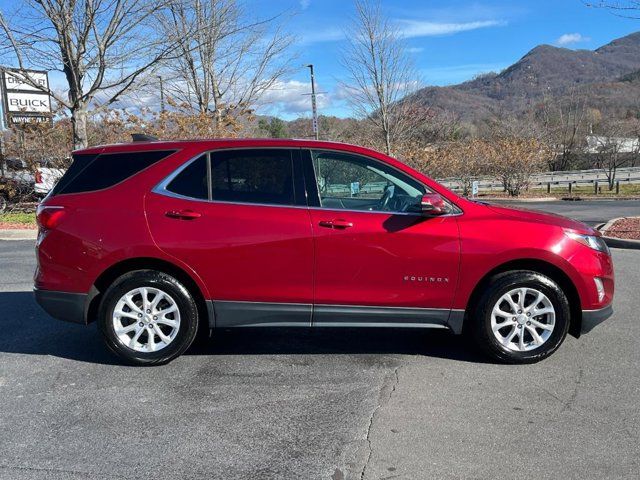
{"points": [[154, 238]]}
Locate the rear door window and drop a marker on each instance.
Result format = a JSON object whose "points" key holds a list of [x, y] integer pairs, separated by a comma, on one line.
{"points": [[263, 176]]}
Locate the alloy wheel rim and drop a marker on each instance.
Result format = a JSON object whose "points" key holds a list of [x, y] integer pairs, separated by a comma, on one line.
{"points": [[146, 319], [523, 319]]}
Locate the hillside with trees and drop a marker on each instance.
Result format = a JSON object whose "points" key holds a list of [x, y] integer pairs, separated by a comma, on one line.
{"points": [[608, 74]]}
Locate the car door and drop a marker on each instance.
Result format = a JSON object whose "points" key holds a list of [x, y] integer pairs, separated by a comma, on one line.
{"points": [[378, 261], [239, 219]]}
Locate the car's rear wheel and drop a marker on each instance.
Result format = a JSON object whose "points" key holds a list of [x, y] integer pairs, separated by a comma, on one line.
{"points": [[522, 317], [148, 317]]}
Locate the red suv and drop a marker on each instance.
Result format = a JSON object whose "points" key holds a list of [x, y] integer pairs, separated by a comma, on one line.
{"points": [[153, 239]]}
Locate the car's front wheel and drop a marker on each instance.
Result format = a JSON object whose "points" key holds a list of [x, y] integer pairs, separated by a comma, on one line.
{"points": [[148, 317], [522, 317]]}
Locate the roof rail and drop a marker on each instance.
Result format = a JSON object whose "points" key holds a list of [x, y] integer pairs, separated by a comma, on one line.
{"points": [[143, 137]]}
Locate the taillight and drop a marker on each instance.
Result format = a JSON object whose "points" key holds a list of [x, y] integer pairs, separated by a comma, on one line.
{"points": [[49, 217], [38, 176]]}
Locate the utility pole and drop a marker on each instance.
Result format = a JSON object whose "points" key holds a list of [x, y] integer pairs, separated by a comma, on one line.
{"points": [[314, 108]]}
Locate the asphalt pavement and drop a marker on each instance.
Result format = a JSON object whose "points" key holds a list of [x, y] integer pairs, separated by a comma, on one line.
{"points": [[591, 212], [313, 404]]}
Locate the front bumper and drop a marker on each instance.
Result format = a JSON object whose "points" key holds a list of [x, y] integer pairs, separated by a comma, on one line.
{"points": [[70, 307], [593, 318]]}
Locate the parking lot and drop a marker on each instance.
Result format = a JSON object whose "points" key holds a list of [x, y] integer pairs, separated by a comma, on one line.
{"points": [[591, 212], [332, 404]]}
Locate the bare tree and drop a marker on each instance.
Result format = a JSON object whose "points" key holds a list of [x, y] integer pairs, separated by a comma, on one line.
{"points": [[103, 48], [460, 162], [564, 124], [615, 145], [381, 73], [230, 61], [628, 8], [348, 130], [516, 160], [519, 149]]}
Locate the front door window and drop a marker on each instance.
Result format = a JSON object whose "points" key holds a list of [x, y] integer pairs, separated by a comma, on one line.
{"points": [[352, 182]]}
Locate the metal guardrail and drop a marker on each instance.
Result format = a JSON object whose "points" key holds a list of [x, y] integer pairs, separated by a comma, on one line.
{"points": [[626, 174], [569, 178], [555, 182], [597, 184]]}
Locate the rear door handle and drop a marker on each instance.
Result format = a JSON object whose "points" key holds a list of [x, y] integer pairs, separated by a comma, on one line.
{"points": [[337, 224], [183, 214]]}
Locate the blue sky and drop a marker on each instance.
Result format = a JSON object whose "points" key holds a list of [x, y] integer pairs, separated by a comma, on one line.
{"points": [[450, 41]]}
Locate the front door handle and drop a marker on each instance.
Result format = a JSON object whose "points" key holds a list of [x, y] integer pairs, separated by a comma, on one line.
{"points": [[337, 224], [183, 214]]}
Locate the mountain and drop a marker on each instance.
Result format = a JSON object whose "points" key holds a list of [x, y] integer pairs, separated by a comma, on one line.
{"points": [[612, 72]]}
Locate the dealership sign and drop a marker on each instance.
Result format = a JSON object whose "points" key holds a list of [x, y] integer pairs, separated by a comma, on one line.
{"points": [[22, 100]]}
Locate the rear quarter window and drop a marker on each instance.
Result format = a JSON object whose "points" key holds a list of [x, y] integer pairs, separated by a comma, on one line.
{"points": [[192, 181], [97, 172]]}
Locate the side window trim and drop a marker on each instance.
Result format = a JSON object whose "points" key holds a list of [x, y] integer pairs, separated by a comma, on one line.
{"points": [[209, 178], [300, 193], [300, 198], [310, 181]]}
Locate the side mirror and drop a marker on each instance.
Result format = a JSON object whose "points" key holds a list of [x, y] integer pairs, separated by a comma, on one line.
{"points": [[432, 204]]}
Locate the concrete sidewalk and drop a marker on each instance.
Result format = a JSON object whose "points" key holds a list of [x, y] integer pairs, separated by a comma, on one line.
{"points": [[18, 234]]}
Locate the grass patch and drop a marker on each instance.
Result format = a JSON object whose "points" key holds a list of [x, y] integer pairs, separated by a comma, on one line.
{"points": [[18, 218]]}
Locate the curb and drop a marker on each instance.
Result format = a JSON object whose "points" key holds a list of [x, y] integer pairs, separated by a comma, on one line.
{"points": [[599, 199], [607, 225], [519, 200], [621, 243], [618, 242], [18, 234]]}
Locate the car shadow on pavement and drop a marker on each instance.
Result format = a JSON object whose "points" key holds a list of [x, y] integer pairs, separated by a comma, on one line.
{"points": [[337, 341], [27, 329]]}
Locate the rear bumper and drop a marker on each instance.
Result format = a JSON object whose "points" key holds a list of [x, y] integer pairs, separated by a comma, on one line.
{"points": [[70, 307], [593, 318]]}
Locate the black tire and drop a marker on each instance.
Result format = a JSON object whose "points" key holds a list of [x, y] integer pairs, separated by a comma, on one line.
{"points": [[480, 316], [185, 303]]}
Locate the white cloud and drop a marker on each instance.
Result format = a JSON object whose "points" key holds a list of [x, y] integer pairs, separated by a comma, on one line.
{"points": [[321, 35], [415, 49], [342, 92], [290, 98], [569, 38], [406, 28], [304, 4], [421, 28]]}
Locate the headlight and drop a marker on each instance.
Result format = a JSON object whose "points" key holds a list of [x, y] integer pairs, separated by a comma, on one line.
{"points": [[591, 241]]}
